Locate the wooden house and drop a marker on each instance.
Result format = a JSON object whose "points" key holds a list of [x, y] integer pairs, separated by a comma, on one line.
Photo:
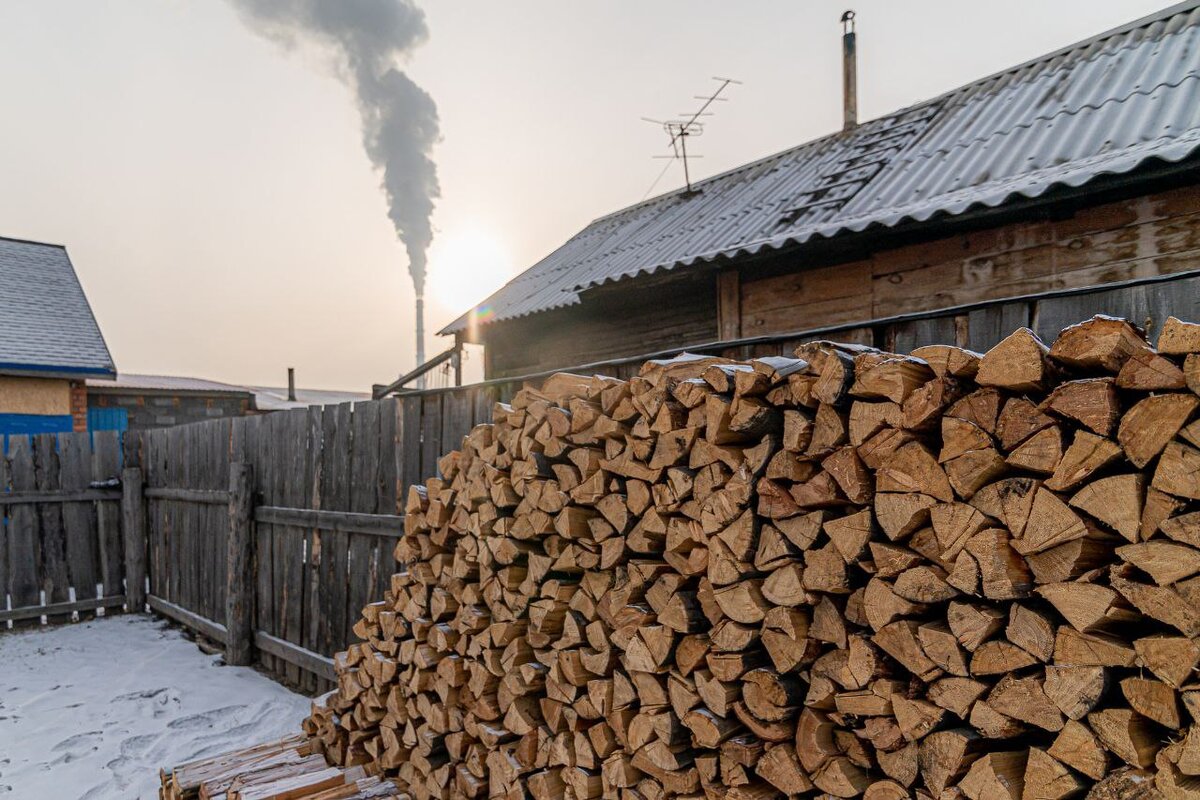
{"points": [[50, 343], [947, 221]]}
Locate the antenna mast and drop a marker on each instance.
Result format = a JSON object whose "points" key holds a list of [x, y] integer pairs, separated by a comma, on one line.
{"points": [[678, 130]]}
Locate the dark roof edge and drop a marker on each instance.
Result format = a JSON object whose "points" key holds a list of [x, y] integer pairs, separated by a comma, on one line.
{"points": [[32, 241], [117, 389], [55, 371]]}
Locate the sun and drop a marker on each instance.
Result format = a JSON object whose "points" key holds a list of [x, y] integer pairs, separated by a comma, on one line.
{"points": [[465, 267]]}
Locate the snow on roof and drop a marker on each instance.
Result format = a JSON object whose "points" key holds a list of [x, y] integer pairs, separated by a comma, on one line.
{"points": [[271, 398], [164, 383]]}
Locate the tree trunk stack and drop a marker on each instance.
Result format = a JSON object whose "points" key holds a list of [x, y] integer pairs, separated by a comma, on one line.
{"points": [[848, 573]]}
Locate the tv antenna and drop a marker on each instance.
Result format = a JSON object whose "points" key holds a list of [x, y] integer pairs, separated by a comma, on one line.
{"points": [[679, 130]]}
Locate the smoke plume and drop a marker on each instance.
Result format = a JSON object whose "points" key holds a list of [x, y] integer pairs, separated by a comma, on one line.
{"points": [[368, 39]]}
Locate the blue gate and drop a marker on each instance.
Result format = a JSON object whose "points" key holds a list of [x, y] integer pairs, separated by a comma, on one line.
{"points": [[107, 419]]}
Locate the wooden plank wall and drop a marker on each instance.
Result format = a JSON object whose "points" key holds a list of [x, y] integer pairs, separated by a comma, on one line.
{"points": [[187, 539], [1146, 236], [310, 583], [64, 554], [673, 310], [1147, 304], [1141, 237]]}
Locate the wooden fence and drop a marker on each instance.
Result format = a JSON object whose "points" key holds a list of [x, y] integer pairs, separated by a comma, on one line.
{"points": [[328, 487], [60, 536], [269, 534]]}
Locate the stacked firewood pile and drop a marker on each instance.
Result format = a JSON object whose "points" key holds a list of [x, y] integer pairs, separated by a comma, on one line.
{"points": [[847, 573]]}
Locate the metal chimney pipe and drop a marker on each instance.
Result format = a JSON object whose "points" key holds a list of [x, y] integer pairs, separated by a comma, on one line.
{"points": [[292, 384], [421, 337], [849, 73]]}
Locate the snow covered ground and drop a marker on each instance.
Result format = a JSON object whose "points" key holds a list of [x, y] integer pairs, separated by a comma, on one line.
{"points": [[91, 711]]}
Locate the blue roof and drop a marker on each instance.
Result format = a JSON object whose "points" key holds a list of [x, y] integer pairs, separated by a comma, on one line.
{"points": [[1104, 106], [46, 324]]}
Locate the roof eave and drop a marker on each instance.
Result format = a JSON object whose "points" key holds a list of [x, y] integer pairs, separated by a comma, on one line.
{"points": [[57, 371]]}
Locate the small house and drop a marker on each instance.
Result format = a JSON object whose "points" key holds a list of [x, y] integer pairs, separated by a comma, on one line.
{"points": [[50, 343], [1077, 169]]}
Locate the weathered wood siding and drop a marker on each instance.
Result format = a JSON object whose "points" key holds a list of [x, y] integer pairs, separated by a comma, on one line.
{"points": [[349, 465], [60, 536], [615, 321], [1149, 235]]}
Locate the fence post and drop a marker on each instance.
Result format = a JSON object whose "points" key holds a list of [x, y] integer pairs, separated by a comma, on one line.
{"points": [[133, 528], [239, 569]]}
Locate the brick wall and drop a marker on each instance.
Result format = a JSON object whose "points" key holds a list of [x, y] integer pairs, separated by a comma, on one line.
{"points": [[79, 406], [157, 410]]}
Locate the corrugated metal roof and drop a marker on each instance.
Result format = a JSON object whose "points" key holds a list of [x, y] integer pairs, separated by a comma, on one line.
{"points": [[164, 383], [46, 324], [270, 398], [1100, 107], [266, 398]]}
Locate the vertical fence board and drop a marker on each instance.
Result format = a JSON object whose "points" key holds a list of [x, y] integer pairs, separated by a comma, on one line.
{"points": [[79, 518], [484, 397], [239, 590], [312, 554], [279, 566], [987, 326], [264, 477], [335, 496], [187, 463], [175, 558], [391, 496], [904, 337], [192, 464], [410, 432], [221, 465], [55, 583], [293, 539], [5, 485], [106, 465], [458, 413], [154, 571], [23, 557], [364, 494], [431, 434], [158, 508], [134, 533]]}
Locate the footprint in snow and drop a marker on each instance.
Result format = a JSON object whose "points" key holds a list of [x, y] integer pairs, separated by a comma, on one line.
{"points": [[136, 746], [76, 746], [204, 719], [145, 694]]}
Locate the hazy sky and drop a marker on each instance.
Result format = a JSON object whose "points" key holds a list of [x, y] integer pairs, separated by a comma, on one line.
{"points": [[214, 196]]}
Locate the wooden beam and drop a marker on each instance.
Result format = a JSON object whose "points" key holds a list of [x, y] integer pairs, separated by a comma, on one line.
{"points": [[213, 630], [294, 654], [378, 392], [216, 497], [133, 528], [82, 496], [239, 568], [729, 305], [388, 526], [34, 612]]}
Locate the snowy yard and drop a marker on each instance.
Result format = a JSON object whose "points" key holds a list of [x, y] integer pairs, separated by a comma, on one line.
{"points": [[93, 710]]}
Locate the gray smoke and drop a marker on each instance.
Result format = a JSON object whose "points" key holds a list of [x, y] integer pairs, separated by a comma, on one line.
{"points": [[368, 39]]}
